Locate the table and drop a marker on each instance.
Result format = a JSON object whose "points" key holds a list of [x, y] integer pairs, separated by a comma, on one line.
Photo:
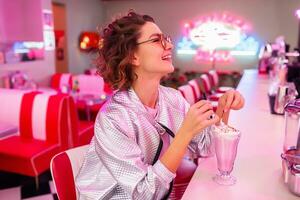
{"points": [[258, 163], [89, 103]]}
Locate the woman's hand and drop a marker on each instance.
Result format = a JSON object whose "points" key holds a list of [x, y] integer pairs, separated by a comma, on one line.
{"points": [[198, 117], [232, 99]]}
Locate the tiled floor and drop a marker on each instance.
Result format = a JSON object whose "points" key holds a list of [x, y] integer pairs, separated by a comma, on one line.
{"points": [[17, 187]]}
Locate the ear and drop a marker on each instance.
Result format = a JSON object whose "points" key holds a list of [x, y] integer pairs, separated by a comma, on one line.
{"points": [[135, 60]]}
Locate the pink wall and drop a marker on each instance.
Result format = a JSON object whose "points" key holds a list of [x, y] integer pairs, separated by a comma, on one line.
{"points": [[41, 70], [21, 20]]}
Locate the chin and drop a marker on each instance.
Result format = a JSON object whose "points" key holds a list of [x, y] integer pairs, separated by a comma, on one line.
{"points": [[166, 69], [170, 68]]}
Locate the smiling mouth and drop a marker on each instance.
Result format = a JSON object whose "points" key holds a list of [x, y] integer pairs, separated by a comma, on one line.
{"points": [[167, 57]]}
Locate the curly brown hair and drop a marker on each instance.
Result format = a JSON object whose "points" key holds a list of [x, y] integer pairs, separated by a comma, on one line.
{"points": [[119, 42]]}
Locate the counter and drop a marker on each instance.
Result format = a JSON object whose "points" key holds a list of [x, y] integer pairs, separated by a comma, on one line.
{"points": [[258, 163]]}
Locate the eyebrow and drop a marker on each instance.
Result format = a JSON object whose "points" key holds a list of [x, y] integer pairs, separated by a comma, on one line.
{"points": [[154, 34]]}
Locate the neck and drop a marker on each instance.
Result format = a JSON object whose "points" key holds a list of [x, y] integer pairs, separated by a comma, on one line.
{"points": [[147, 91]]}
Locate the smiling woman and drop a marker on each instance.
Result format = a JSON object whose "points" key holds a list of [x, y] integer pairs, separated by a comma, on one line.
{"points": [[131, 155]]}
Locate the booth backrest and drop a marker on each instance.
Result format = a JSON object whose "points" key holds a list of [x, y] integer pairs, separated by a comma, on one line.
{"points": [[206, 83], [196, 89], [88, 84], [41, 116], [64, 169], [187, 93], [214, 77], [10, 106], [59, 80]]}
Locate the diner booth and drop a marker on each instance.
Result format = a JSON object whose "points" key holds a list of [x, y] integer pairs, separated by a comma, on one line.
{"points": [[51, 93]]}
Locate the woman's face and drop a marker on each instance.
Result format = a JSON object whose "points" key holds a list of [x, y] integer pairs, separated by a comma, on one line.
{"points": [[151, 57]]}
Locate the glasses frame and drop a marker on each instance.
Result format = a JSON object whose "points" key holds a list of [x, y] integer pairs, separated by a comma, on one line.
{"points": [[164, 40]]}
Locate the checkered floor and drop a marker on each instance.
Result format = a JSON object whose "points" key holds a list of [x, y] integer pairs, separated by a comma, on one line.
{"points": [[17, 187]]}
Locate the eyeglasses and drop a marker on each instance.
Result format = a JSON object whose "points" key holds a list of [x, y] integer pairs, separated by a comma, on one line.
{"points": [[163, 39]]}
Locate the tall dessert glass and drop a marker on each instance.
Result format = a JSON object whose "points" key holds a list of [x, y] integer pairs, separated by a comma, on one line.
{"points": [[226, 141]]}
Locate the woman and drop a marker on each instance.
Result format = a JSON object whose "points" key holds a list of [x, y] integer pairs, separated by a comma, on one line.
{"points": [[132, 155]]}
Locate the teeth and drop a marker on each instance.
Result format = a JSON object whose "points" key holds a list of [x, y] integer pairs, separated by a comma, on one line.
{"points": [[167, 57]]}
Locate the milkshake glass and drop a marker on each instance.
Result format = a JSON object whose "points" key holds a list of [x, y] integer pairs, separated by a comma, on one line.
{"points": [[226, 141]]}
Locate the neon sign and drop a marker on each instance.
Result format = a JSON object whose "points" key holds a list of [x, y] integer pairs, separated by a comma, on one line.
{"points": [[217, 37]]}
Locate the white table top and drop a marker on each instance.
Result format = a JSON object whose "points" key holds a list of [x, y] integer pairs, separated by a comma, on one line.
{"points": [[258, 163]]}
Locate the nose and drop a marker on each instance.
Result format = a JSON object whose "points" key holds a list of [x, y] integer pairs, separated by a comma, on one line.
{"points": [[169, 45]]}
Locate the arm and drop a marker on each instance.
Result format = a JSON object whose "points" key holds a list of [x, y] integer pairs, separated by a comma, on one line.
{"points": [[202, 141], [123, 158], [196, 120]]}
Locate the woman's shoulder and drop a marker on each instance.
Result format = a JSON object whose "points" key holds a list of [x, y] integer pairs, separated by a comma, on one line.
{"points": [[115, 107]]}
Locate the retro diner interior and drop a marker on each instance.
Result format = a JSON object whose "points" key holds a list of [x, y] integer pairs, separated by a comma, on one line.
{"points": [[50, 92]]}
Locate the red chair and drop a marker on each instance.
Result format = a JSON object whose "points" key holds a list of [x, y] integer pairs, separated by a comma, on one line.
{"points": [[64, 168], [43, 132], [196, 89], [60, 80], [184, 174], [88, 84], [214, 80], [81, 131], [66, 165], [188, 93], [199, 94], [211, 95], [89, 95]]}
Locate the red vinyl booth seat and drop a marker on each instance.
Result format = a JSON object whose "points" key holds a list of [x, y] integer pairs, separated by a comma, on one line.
{"points": [[82, 131], [208, 90], [188, 93], [64, 168], [43, 132], [61, 79], [66, 165], [214, 81]]}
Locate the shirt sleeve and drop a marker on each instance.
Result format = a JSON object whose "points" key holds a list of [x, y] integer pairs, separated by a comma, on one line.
{"points": [[121, 155], [202, 142]]}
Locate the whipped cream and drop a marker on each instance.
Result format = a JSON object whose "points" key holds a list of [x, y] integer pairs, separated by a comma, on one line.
{"points": [[224, 130]]}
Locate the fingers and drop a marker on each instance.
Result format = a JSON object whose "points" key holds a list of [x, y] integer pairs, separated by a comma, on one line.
{"points": [[209, 122], [199, 104], [205, 107], [238, 102], [225, 117], [207, 115], [229, 100]]}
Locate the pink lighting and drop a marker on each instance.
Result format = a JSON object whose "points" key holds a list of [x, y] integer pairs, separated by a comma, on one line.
{"points": [[217, 37], [298, 13], [186, 25], [223, 56]]}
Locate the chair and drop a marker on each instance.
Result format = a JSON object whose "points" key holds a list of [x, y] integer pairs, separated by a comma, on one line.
{"points": [[188, 93], [43, 131], [196, 89], [60, 80], [64, 168], [211, 95], [81, 131], [184, 174], [66, 165], [93, 72], [214, 80], [89, 86]]}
